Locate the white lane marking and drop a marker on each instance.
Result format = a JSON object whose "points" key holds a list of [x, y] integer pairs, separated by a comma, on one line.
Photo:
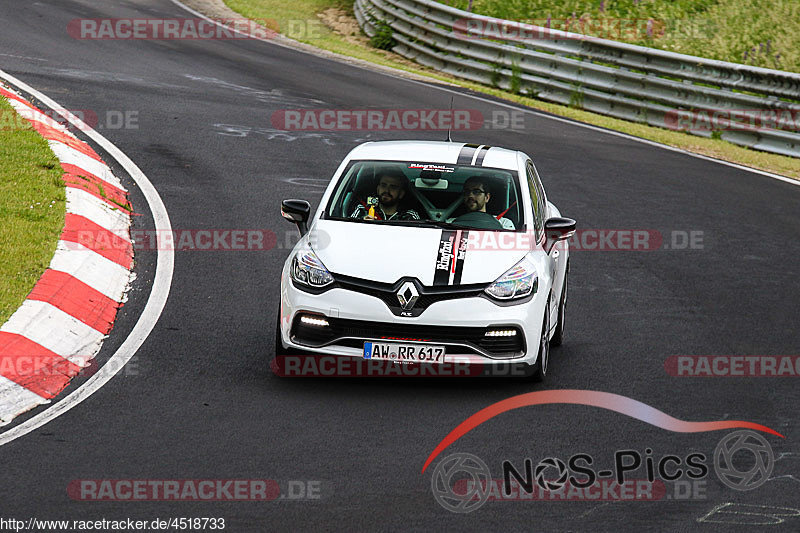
{"points": [[308, 182], [162, 281], [270, 134], [273, 96], [59, 332], [82, 202], [25, 57], [384, 70], [784, 476], [71, 156], [112, 77], [101, 274], [15, 400], [748, 514]]}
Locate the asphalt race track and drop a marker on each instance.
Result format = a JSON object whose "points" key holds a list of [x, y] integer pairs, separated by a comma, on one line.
{"points": [[199, 402]]}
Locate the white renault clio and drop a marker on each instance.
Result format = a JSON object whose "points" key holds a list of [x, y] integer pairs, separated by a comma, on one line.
{"points": [[425, 252]]}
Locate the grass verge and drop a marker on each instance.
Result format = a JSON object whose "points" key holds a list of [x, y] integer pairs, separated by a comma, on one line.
{"points": [[301, 20], [762, 33], [32, 206]]}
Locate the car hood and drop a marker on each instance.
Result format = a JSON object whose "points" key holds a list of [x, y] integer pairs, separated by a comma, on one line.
{"points": [[385, 253]]}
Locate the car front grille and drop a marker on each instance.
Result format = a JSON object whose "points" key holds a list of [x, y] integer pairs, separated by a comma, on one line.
{"points": [[387, 293]]}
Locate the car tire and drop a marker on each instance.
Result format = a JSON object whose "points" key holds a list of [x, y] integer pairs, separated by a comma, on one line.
{"points": [[543, 358], [558, 334]]}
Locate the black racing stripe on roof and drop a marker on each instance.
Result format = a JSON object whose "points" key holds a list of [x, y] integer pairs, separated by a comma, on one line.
{"points": [[481, 155], [465, 156]]}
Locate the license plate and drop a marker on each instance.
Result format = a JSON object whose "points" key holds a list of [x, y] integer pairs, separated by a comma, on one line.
{"points": [[404, 353]]}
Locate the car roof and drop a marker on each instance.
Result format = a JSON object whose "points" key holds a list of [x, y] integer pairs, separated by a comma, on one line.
{"points": [[437, 152]]}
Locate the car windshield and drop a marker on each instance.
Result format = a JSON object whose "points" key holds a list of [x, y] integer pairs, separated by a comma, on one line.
{"points": [[419, 193]]}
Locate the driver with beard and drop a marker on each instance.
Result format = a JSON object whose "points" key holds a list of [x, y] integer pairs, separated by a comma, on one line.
{"points": [[392, 187]]}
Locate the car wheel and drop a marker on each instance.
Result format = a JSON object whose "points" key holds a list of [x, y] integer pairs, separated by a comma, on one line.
{"points": [[558, 335], [543, 360]]}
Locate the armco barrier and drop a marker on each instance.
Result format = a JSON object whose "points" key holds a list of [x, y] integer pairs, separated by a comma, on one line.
{"points": [[626, 81]]}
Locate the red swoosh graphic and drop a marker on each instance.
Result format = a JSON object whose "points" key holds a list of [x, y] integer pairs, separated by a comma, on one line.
{"points": [[605, 400]]}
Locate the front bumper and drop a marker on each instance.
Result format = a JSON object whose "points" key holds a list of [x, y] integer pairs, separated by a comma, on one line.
{"points": [[458, 324]]}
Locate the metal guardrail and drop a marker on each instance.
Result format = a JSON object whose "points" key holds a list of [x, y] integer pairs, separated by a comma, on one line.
{"points": [[625, 81]]}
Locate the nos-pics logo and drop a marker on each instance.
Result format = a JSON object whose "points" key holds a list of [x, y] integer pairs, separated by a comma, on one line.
{"points": [[743, 460]]}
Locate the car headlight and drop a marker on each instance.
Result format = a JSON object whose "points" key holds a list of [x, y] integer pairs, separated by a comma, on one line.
{"points": [[518, 282], [308, 270]]}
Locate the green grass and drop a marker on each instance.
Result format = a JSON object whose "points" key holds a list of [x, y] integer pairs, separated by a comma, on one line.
{"points": [[298, 19], [329, 40], [32, 205], [764, 33]]}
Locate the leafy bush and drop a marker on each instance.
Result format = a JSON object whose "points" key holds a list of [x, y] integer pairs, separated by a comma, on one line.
{"points": [[383, 37]]}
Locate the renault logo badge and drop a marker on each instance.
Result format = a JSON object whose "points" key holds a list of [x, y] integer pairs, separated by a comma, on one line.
{"points": [[407, 295]]}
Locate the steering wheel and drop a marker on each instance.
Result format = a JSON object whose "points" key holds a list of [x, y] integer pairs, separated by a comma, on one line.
{"points": [[478, 220]]}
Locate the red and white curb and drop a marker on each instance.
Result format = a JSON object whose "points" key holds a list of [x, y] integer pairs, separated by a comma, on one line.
{"points": [[59, 329]]}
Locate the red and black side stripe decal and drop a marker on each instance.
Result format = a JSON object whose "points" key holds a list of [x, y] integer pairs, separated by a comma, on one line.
{"points": [[466, 154], [450, 257], [461, 254]]}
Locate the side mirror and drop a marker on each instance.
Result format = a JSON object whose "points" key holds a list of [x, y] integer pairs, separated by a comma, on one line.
{"points": [[558, 229], [297, 212]]}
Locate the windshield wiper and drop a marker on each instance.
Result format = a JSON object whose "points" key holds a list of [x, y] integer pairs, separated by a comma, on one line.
{"points": [[396, 222], [447, 225]]}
